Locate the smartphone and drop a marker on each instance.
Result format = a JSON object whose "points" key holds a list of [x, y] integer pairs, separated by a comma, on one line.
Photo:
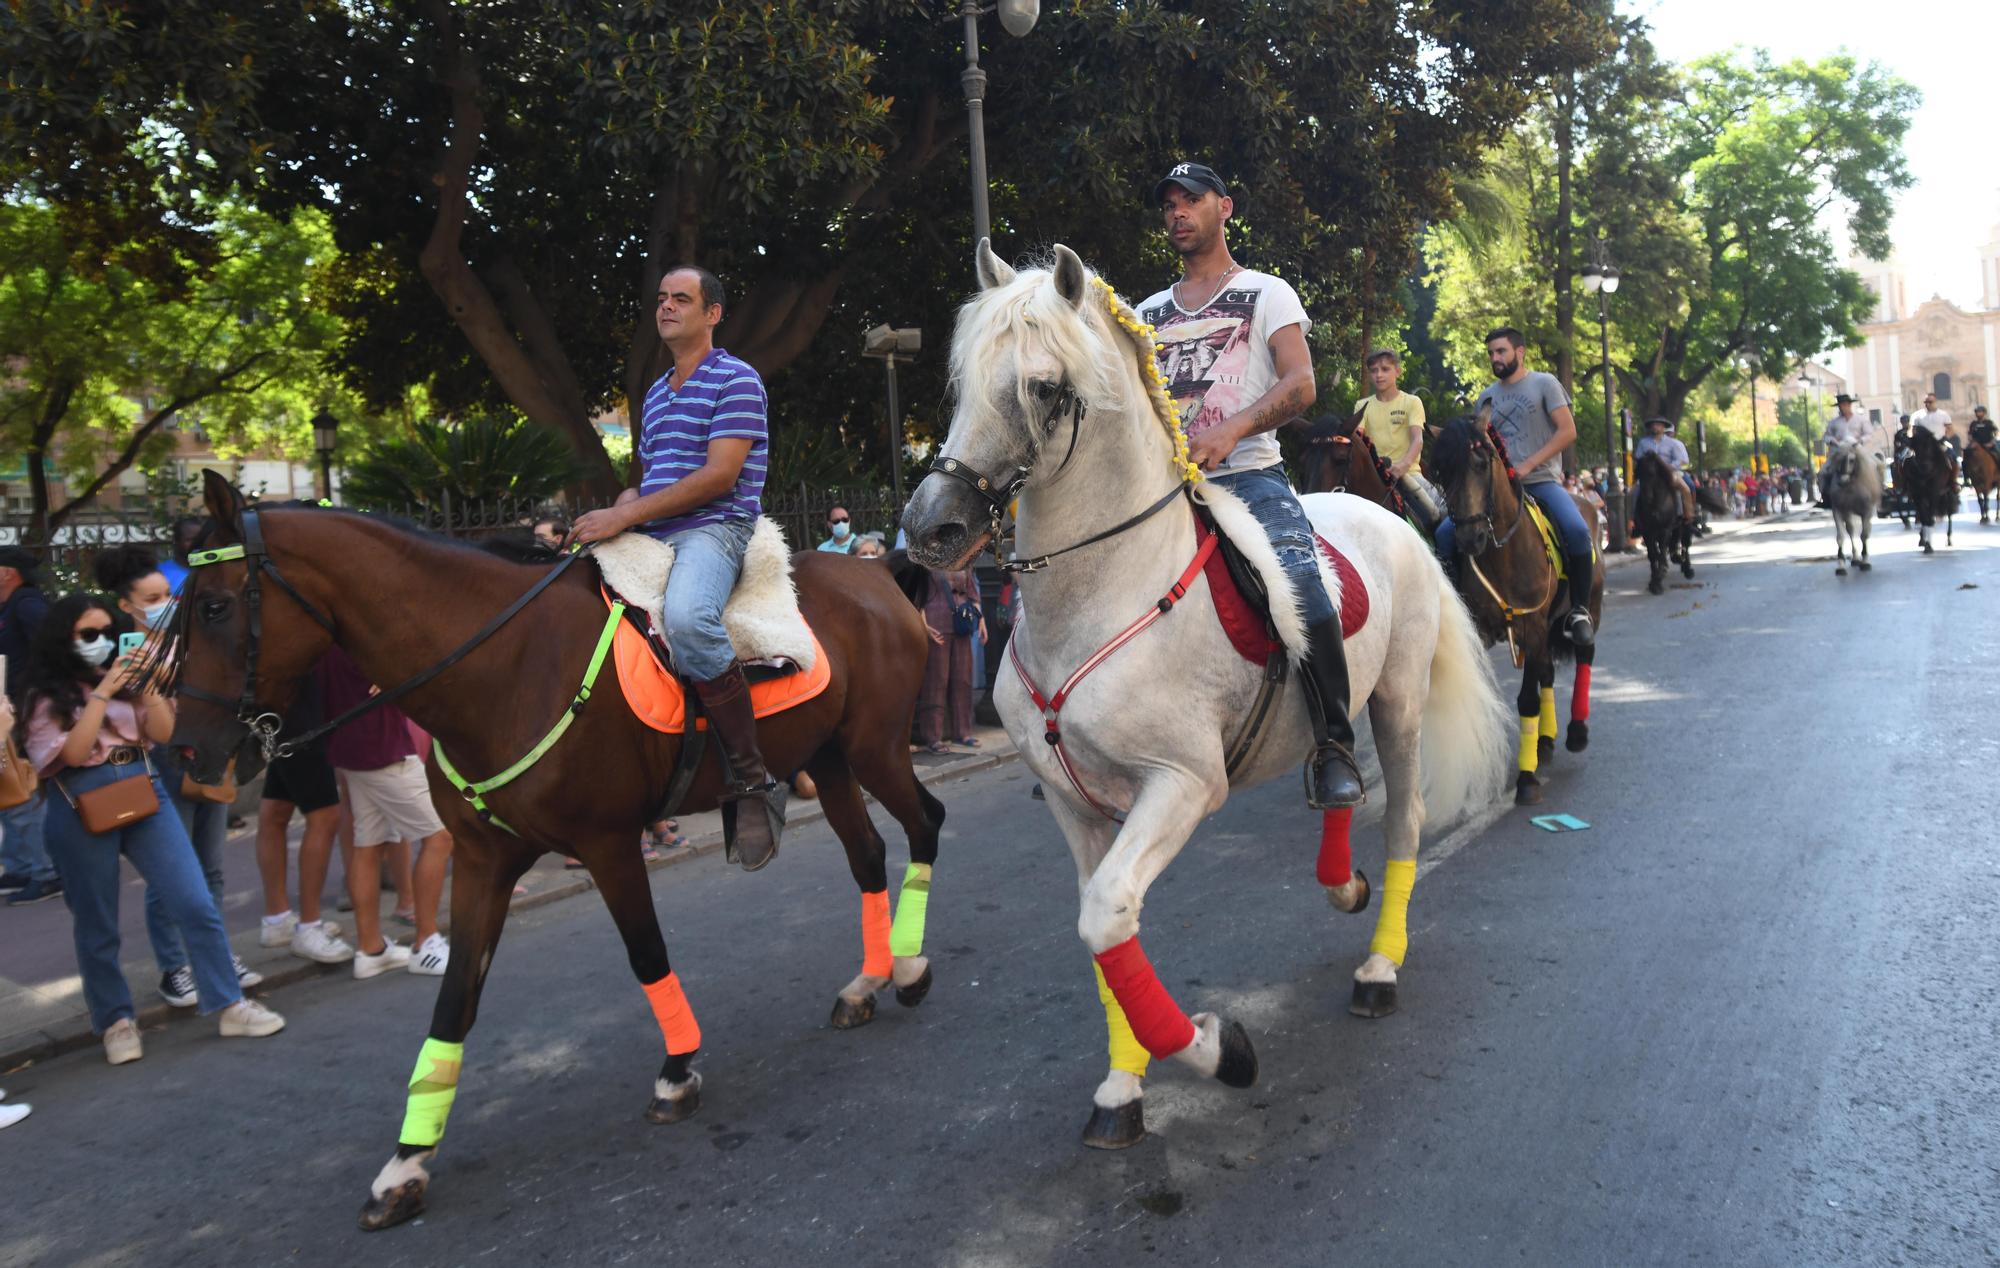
{"points": [[131, 642]]}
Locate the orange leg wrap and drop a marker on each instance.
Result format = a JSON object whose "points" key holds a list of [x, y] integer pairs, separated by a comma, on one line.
{"points": [[876, 961], [676, 1019]]}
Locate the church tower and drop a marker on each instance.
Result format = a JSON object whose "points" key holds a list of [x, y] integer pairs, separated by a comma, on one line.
{"points": [[1989, 270]]}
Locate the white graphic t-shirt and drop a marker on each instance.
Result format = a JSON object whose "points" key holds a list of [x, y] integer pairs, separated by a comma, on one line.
{"points": [[1218, 361]]}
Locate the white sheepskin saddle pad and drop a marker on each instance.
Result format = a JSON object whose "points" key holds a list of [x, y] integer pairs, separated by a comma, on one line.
{"points": [[762, 615], [1234, 520]]}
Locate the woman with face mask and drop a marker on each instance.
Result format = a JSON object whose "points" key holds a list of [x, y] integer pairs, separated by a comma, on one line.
{"points": [[87, 727], [133, 576]]}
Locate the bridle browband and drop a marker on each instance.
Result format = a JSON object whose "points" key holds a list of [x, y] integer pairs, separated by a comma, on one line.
{"points": [[998, 496], [263, 724], [1520, 498]]}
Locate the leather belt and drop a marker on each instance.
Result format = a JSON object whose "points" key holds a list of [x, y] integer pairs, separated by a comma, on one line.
{"points": [[125, 755]]}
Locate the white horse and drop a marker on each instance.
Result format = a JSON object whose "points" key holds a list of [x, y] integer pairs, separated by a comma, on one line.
{"points": [[1856, 493], [1058, 400]]}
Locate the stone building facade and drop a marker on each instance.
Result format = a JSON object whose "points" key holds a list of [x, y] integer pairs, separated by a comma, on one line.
{"points": [[1934, 347]]}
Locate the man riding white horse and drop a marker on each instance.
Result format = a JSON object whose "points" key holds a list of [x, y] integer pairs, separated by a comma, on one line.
{"points": [[1844, 428], [1232, 344]]}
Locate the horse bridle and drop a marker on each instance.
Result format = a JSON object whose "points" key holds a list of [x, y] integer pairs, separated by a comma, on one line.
{"points": [[263, 724], [1520, 500]]}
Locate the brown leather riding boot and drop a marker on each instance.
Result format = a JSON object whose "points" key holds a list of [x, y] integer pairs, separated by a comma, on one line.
{"points": [[753, 804]]}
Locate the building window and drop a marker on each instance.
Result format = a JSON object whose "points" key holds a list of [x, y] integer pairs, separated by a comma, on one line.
{"points": [[1941, 386]]}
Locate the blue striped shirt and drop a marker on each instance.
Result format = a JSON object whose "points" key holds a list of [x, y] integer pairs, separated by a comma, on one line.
{"points": [[722, 398]]}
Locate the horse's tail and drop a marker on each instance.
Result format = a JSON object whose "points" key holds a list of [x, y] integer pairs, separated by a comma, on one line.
{"points": [[1468, 734]]}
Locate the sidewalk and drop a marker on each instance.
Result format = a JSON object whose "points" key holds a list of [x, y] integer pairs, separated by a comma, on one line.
{"points": [[41, 998]]}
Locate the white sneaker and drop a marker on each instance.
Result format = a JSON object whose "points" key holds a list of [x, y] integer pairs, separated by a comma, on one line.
{"points": [[432, 956], [393, 955], [277, 933], [121, 1042], [12, 1114], [248, 1019], [246, 977], [313, 942]]}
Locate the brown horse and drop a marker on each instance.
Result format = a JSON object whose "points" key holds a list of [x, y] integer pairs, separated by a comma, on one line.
{"points": [[1504, 574], [1982, 469], [272, 587], [1339, 458]]}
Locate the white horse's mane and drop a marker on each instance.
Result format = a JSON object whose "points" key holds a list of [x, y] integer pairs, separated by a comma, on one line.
{"points": [[1104, 359]]}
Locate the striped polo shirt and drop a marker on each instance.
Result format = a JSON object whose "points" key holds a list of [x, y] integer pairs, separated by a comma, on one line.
{"points": [[723, 397]]}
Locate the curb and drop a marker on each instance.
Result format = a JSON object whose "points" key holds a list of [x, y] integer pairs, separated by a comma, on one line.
{"points": [[58, 1042]]}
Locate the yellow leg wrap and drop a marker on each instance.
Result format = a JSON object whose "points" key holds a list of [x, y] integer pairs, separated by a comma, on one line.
{"points": [[1530, 732], [1127, 1053], [433, 1084], [1392, 929], [1549, 712], [906, 935]]}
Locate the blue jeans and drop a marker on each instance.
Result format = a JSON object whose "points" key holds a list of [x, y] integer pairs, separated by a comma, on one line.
{"points": [[1270, 498], [161, 853], [207, 825], [22, 851], [1556, 503], [707, 561]]}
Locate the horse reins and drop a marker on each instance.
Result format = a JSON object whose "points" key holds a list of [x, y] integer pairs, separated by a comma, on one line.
{"points": [[1508, 612], [264, 724]]}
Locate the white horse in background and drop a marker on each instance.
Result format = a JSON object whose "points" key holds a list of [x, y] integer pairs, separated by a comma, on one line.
{"points": [[1855, 496], [1059, 401]]}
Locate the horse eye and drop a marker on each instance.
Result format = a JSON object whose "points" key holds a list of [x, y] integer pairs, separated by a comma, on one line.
{"points": [[214, 610], [1044, 391]]}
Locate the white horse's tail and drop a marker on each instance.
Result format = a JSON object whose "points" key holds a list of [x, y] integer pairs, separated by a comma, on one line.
{"points": [[1469, 729]]}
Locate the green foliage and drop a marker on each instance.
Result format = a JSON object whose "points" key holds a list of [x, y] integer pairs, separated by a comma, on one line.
{"points": [[493, 456]]}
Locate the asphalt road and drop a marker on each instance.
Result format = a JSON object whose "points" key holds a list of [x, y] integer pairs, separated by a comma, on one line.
{"points": [[1748, 1017]]}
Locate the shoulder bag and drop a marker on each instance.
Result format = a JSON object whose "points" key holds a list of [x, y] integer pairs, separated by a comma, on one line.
{"points": [[17, 778], [115, 805]]}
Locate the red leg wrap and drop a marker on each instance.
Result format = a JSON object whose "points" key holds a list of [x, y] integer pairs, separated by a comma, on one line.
{"points": [[1157, 1022], [1335, 858], [1579, 704], [876, 961]]}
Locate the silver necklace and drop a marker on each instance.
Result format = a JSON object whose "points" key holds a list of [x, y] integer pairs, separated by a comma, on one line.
{"points": [[1219, 284]]}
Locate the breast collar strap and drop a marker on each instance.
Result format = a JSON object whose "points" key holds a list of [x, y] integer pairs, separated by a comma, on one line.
{"points": [[1051, 706]]}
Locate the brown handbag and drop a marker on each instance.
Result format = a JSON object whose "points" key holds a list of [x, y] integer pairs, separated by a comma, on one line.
{"points": [[222, 794], [115, 805], [17, 778]]}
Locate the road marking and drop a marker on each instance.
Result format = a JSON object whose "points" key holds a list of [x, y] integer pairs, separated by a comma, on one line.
{"points": [[1460, 837]]}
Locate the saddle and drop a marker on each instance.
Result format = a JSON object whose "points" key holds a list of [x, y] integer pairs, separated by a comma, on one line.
{"points": [[1253, 597]]}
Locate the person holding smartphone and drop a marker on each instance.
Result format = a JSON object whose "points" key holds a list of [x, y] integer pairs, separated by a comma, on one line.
{"points": [[87, 727]]}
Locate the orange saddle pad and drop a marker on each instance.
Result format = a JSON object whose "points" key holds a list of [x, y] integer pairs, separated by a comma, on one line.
{"points": [[656, 697]]}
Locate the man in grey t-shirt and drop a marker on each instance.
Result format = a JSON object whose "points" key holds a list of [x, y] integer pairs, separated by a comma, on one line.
{"points": [[1531, 412]]}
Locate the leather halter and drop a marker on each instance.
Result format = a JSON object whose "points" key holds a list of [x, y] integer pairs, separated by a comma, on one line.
{"points": [[264, 725], [999, 495]]}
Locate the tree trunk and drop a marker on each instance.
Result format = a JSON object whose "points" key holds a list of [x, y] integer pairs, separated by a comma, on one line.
{"points": [[1565, 136], [54, 406]]}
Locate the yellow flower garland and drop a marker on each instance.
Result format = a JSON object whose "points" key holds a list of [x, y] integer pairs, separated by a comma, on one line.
{"points": [[1163, 406]]}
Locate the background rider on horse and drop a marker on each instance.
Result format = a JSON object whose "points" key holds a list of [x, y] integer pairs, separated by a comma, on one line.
{"points": [[1531, 412], [703, 438], [1232, 344], [1980, 432], [1844, 428], [1394, 420], [1660, 439]]}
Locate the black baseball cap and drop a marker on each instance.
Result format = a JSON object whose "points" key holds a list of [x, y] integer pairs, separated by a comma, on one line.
{"points": [[1194, 178], [1662, 420], [22, 560]]}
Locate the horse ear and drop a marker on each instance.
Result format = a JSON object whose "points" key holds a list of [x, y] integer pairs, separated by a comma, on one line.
{"points": [[1072, 279], [225, 504], [993, 271]]}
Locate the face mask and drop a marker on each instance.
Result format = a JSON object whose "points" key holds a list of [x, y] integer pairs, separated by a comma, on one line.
{"points": [[95, 652], [840, 531], [157, 616]]}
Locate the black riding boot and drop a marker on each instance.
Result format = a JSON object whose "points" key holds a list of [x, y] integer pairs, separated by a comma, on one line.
{"points": [[753, 804], [1332, 778], [1577, 624]]}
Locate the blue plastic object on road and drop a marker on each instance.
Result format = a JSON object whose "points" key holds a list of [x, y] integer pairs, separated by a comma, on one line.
{"points": [[1559, 823]]}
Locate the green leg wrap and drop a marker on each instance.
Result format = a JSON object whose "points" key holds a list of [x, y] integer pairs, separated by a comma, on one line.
{"points": [[433, 1084], [906, 935]]}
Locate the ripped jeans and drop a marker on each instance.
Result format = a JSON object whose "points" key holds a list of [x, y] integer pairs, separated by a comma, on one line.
{"points": [[1270, 498]]}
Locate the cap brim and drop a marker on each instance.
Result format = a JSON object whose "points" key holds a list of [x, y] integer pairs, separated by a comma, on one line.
{"points": [[1187, 183]]}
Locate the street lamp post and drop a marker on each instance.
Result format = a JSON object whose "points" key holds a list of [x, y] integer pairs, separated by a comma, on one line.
{"points": [[1018, 17], [1756, 444], [1601, 279], [889, 345], [326, 430]]}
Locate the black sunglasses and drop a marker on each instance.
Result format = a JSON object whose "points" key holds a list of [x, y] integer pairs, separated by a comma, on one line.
{"points": [[838, 519], [94, 633]]}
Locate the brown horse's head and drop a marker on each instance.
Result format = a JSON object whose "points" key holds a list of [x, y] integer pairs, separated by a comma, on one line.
{"points": [[1468, 465], [241, 649]]}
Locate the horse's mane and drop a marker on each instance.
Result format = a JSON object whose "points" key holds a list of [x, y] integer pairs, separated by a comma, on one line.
{"points": [[513, 545], [1084, 339], [1451, 452]]}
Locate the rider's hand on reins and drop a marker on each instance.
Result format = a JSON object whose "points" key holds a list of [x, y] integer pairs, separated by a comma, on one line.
{"points": [[596, 526]]}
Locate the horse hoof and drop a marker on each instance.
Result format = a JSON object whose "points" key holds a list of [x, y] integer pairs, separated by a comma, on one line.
{"points": [[403, 1203], [1865, 566], [1545, 748], [1373, 999], [1578, 738], [1367, 892], [1840, 572], [663, 1111], [1119, 1128], [847, 1016], [1527, 790], [1238, 1066], [912, 995], [1687, 571], [1656, 586]]}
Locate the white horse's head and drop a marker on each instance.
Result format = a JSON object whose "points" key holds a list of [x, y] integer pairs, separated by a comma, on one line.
{"points": [[1034, 352]]}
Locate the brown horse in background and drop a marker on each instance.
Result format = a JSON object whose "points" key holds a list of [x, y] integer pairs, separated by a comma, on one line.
{"points": [[1506, 578], [1339, 458], [273, 587], [1982, 469]]}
